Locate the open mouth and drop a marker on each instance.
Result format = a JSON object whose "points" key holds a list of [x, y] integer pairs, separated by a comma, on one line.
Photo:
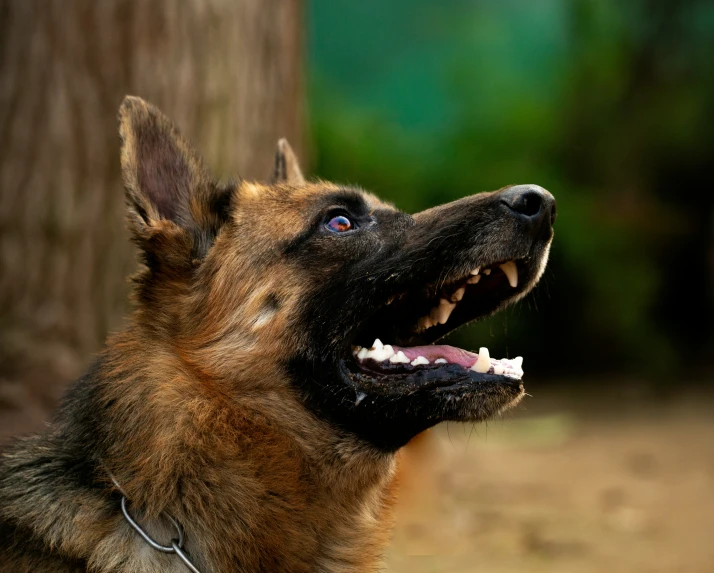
{"points": [[380, 371], [398, 340], [389, 359]]}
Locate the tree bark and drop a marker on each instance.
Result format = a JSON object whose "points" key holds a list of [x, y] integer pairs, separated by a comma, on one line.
{"points": [[226, 71]]}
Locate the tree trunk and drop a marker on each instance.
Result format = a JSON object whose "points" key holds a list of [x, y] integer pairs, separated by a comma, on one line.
{"points": [[226, 71]]}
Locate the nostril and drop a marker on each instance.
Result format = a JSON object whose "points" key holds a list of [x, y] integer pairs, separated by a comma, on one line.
{"points": [[531, 204], [528, 203]]}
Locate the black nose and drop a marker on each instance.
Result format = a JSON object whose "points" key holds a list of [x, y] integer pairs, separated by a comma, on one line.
{"points": [[531, 204]]}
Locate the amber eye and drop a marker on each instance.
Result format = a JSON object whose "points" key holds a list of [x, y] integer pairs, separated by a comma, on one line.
{"points": [[340, 224]]}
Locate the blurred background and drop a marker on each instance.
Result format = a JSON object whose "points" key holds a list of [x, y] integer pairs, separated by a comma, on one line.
{"points": [[609, 105]]}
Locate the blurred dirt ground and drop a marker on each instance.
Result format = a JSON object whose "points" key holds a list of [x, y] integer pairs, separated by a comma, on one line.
{"points": [[616, 480]]}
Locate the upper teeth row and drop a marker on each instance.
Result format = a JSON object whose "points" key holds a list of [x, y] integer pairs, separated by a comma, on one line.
{"points": [[484, 363], [509, 268], [441, 312]]}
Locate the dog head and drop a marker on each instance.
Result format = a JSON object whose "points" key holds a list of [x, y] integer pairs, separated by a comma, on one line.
{"points": [[324, 291]]}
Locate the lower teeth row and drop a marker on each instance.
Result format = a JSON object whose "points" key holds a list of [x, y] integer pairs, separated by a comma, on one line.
{"points": [[484, 363]]}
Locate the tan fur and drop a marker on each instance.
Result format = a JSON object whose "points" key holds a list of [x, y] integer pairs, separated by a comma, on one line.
{"points": [[182, 416], [204, 424], [192, 408]]}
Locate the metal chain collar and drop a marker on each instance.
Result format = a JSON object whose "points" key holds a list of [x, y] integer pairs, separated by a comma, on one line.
{"points": [[176, 544]]}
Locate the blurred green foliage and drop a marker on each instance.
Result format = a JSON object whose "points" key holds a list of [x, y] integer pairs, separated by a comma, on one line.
{"points": [[608, 104]]}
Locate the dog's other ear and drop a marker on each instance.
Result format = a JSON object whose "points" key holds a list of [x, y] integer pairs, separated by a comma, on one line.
{"points": [[287, 168], [165, 179]]}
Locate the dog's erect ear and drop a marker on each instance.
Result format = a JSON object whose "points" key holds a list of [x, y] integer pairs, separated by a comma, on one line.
{"points": [[164, 178], [287, 168]]}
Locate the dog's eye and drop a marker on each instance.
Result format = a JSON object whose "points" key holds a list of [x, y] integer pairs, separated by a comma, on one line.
{"points": [[340, 224]]}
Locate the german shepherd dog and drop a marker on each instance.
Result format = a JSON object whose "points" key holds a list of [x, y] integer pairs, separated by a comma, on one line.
{"points": [[279, 355]]}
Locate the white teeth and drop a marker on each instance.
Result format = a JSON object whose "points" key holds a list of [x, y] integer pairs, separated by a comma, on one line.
{"points": [[458, 294], [399, 357], [511, 272], [379, 352], [483, 364], [440, 314], [513, 368]]}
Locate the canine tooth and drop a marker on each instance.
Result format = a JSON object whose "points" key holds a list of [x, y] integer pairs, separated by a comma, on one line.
{"points": [[362, 354], [399, 357], [458, 294], [483, 364], [440, 361], [511, 272], [476, 271], [377, 344], [355, 350], [474, 280], [419, 360], [425, 322], [486, 271], [390, 300], [517, 362]]}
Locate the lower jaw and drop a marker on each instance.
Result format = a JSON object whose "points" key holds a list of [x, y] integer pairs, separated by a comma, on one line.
{"points": [[388, 417], [387, 411]]}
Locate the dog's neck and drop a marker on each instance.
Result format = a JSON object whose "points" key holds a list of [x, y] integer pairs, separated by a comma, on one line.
{"points": [[186, 413], [231, 466]]}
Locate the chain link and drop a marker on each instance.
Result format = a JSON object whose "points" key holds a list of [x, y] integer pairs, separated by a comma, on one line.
{"points": [[176, 546]]}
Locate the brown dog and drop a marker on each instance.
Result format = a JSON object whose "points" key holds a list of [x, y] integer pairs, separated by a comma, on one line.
{"points": [[280, 353]]}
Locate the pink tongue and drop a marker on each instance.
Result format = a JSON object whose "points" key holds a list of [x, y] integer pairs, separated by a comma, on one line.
{"points": [[433, 352]]}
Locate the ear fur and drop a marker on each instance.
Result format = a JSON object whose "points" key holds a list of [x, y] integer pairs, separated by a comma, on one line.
{"points": [[287, 168], [166, 181]]}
